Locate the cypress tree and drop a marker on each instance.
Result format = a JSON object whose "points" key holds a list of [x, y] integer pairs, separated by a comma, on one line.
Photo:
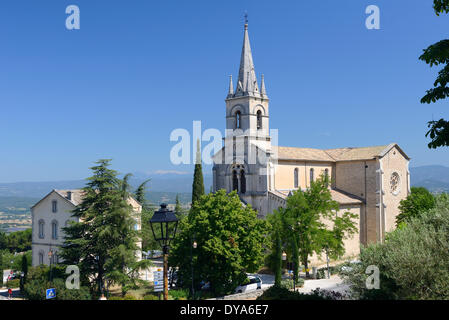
{"points": [[278, 264], [178, 208], [295, 257], [198, 183]]}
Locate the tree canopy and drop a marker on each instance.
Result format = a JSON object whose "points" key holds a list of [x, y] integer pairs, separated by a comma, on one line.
{"points": [[304, 219], [417, 202], [434, 55], [230, 242], [103, 243]]}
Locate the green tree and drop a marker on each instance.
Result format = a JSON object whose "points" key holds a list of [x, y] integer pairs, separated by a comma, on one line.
{"points": [[18, 241], [304, 219], [103, 243], [436, 54], [230, 242], [139, 194], [278, 260], [198, 182], [178, 208], [413, 261], [3, 240], [1, 269], [417, 202], [295, 259], [148, 242]]}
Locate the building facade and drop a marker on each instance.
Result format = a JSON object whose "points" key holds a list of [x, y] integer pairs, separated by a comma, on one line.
{"points": [[54, 212], [368, 181]]}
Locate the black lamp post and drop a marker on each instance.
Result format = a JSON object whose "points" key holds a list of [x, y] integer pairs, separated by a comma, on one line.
{"points": [[165, 221]]}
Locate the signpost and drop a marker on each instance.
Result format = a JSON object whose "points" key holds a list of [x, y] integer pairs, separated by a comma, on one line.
{"points": [[158, 279], [50, 293]]}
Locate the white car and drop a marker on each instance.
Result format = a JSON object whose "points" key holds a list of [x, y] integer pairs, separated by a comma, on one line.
{"points": [[254, 284]]}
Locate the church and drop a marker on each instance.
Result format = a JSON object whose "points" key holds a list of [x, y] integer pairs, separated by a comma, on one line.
{"points": [[368, 181]]}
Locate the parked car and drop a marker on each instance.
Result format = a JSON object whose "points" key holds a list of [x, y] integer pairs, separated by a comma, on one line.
{"points": [[254, 283]]}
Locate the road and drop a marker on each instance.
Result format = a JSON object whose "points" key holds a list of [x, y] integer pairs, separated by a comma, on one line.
{"points": [[335, 283], [15, 294]]}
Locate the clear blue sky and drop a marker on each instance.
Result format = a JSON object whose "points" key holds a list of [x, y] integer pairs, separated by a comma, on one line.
{"points": [[136, 70]]}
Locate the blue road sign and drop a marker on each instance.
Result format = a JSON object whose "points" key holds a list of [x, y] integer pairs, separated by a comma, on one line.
{"points": [[50, 294]]}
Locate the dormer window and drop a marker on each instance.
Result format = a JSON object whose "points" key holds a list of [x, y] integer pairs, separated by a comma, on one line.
{"points": [[54, 206], [238, 120]]}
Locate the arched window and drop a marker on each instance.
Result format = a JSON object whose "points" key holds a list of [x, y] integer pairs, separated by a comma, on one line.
{"points": [[238, 120], [311, 175], [295, 174], [54, 230], [242, 182], [235, 181], [41, 257], [259, 120], [54, 206], [41, 229]]}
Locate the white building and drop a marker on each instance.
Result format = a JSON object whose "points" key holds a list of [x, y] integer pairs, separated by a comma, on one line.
{"points": [[51, 214]]}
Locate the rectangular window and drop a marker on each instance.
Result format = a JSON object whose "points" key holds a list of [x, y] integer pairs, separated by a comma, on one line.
{"points": [[41, 258], [54, 228], [41, 230], [54, 206]]}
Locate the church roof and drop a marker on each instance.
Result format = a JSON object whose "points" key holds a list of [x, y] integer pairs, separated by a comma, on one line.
{"points": [[337, 195], [290, 153], [344, 197], [333, 155]]}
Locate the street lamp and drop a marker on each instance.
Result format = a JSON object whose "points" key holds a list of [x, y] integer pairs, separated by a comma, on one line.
{"points": [[167, 222], [50, 255]]}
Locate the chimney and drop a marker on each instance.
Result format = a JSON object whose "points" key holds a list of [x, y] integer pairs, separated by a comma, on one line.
{"points": [[69, 195]]}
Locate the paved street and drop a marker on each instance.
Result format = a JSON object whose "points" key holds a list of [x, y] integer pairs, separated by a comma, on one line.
{"points": [[335, 283], [4, 294]]}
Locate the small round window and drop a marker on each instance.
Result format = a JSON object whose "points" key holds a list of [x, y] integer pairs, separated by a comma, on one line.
{"points": [[395, 181]]}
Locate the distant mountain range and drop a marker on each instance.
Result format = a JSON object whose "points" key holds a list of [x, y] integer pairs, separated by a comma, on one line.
{"points": [[164, 186], [434, 178]]}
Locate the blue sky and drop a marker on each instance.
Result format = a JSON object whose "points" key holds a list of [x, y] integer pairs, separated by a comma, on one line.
{"points": [[136, 70]]}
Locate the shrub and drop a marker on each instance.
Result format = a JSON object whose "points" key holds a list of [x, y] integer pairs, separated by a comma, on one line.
{"points": [[413, 261], [38, 281], [281, 293], [129, 297], [288, 283], [180, 294], [150, 297], [13, 283]]}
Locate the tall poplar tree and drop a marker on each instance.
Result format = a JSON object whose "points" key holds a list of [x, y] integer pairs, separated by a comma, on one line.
{"points": [[198, 182], [103, 243]]}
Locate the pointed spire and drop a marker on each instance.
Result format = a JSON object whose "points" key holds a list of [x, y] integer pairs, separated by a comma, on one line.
{"points": [[263, 90], [247, 74], [231, 87]]}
